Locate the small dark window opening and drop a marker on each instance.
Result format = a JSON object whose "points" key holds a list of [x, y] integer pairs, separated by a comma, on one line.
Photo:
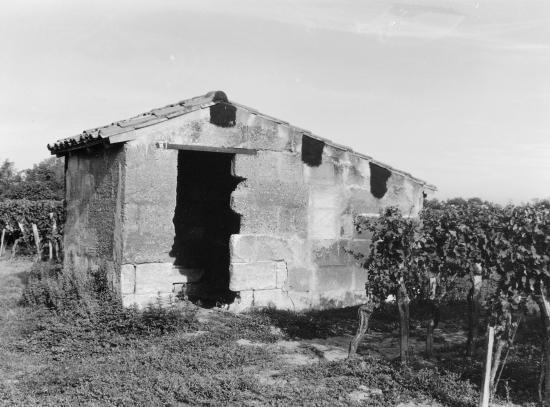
{"points": [[378, 180], [312, 151], [204, 222]]}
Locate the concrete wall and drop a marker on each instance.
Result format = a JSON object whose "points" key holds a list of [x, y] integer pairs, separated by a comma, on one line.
{"points": [[297, 220], [94, 188]]}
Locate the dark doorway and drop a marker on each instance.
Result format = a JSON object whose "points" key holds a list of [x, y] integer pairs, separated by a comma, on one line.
{"points": [[203, 223]]}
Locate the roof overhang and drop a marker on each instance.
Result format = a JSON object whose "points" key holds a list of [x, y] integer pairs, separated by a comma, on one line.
{"points": [[120, 131]]}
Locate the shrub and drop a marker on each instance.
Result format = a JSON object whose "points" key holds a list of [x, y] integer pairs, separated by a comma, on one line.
{"points": [[46, 286], [442, 385], [83, 301]]}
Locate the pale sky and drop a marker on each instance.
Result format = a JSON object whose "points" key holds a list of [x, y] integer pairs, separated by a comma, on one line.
{"points": [[455, 92]]}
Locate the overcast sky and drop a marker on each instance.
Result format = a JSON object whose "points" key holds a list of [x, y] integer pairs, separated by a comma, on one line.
{"points": [[455, 92]]}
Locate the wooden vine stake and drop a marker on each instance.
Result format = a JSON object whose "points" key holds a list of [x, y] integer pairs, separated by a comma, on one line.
{"points": [[36, 240], [474, 303], [485, 386], [543, 301], [431, 322], [2, 248], [16, 243], [403, 301], [54, 243]]}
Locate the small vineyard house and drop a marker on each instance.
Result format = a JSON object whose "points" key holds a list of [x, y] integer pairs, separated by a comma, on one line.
{"points": [[214, 201]]}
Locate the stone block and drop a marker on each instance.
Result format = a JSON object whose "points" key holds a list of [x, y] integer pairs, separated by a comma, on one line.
{"points": [[338, 155], [281, 273], [258, 220], [359, 279], [331, 253], [355, 177], [278, 192], [299, 279], [264, 164], [252, 248], [334, 278], [267, 166], [295, 136], [272, 299], [153, 278], [151, 174], [269, 192], [323, 223], [243, 302], [147, 234], [276, 298], [201, 132], [260, 275], [150, 201], [362, 201], [290, 167], [273, 248], [347, 227], [293, 221], [325, 174], [280, 299], [260, 132], [128, 279], [242, 248], [325, 197], [296, 301]]}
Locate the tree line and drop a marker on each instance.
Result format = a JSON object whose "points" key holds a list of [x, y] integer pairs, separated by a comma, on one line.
{"points": [[44, 181]]}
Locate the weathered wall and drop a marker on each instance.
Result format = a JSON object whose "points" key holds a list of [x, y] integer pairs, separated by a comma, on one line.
{"points": [[148, 232], [297, 218], [298, 230], [94, 187]]}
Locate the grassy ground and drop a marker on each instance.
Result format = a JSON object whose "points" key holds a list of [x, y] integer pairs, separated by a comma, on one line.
{"points": [[190, 356]]}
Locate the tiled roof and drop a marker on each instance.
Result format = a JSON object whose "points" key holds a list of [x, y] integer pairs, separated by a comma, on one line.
{"points": [[102, 134]]}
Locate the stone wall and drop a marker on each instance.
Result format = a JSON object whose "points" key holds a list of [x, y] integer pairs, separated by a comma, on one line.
{"points": [[94, 188], [297, 232], [150, 199], [297, 218]]}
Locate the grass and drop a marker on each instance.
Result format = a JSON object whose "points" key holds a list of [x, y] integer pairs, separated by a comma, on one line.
{"points": [[63, 352]]}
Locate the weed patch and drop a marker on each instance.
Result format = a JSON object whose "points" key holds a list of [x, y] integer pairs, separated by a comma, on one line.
{"points": [[79, 350]]}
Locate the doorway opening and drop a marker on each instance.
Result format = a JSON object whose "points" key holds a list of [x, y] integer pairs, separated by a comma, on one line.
{"points": [[204, 222]]}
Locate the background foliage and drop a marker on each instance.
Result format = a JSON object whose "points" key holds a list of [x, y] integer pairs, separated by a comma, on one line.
{"points": [[29, 196], [44, 181], [28, 212]]}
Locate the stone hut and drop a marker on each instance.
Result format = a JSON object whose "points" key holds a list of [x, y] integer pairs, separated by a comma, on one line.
{"points": [[213, 200]]}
